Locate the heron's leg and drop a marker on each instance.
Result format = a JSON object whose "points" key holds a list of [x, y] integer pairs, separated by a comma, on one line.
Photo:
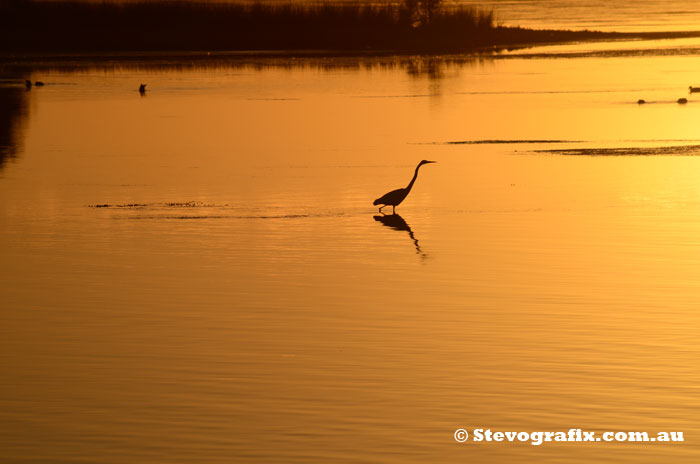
{"points": [[393, 209]]}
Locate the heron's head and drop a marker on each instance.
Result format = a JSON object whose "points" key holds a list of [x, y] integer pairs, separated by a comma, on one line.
{"points": [[426, 162]]}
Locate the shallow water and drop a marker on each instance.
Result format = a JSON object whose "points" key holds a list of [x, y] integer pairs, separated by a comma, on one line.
{"points": [[199, 275], [604, 15]]}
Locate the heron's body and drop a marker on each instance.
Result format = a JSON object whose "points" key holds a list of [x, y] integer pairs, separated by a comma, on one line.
{"points": [[395, 197]]}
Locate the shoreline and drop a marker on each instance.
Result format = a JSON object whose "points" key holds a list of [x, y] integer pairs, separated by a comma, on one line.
{"points": [[78, 56]]}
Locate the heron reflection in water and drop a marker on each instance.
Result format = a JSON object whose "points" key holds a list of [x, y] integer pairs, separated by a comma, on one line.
{"points": [[396, 222]]}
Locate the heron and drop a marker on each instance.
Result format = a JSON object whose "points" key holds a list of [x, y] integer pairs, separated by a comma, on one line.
{"points": [[395, 197]]}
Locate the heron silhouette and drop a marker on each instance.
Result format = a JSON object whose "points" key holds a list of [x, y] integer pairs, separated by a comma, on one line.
{"points": [[395, 197]]}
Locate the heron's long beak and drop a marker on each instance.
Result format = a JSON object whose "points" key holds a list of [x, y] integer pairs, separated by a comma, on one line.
{"points": [[431, 161]]}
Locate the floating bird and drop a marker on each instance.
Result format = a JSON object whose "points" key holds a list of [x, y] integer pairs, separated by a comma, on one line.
{"points": [[395, 197], [641, 101], [693, 89], [38, 83], [28, 84], [142, 88], [682, 101]]}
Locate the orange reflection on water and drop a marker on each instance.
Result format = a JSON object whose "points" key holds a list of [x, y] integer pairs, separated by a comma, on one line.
{"points": [[234, 297]]}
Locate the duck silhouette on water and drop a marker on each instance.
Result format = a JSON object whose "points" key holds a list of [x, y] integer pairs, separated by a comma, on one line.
{"points": [[28, 84]]}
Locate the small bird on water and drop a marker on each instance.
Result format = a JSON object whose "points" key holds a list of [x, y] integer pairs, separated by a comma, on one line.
{"points": [[395, 197], [28, 84], [142, 88]]}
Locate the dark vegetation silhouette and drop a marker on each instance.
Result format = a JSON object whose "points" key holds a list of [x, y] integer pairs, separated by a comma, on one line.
{"points": [[395, 197], [413, 25], [14, 109]]}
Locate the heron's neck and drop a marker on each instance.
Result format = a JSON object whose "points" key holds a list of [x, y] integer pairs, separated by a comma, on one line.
{"points": [[415, 175]]}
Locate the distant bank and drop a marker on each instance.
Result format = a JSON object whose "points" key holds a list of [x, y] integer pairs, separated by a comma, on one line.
{"points": [[409, 26]]}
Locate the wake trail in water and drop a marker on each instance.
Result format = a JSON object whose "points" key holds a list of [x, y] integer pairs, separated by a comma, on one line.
{"points": [[550, 141], [506, 141], [201, 210]]}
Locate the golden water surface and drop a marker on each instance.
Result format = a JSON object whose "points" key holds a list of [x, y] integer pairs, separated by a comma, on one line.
{"points": [[198, 274]]}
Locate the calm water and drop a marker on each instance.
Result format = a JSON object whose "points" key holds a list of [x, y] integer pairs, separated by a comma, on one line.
{"points": [[199, 275], [607, 15]]}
